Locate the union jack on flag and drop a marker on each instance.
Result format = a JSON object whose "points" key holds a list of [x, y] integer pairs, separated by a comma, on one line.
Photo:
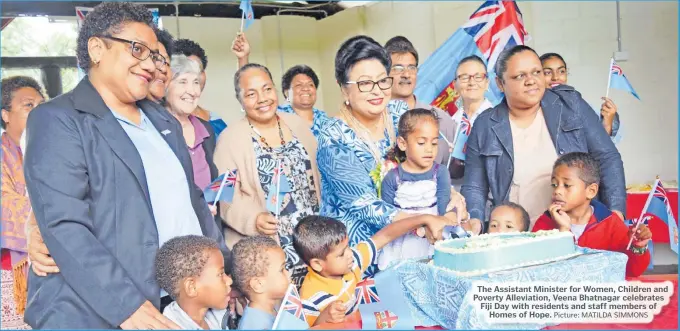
{"points": [[290, 315], [492, 28], [496, 25], [465, 125], [618, 80], [222, 188], [366, 292], [660, 192]]}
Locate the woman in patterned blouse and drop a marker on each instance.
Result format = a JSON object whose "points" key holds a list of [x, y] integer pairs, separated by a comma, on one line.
{"points": [[254, 146], [353, 145]]}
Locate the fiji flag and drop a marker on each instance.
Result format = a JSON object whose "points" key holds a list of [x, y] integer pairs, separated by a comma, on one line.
{"points": [[495, 26], [247, 14], [222, 188], [290, 315], [650, 245], [659, 206], [619, 81], [277, 190], [460, 142], [390, 310]]}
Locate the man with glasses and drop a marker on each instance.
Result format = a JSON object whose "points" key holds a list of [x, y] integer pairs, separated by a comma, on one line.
{"points": [[404, 71]]}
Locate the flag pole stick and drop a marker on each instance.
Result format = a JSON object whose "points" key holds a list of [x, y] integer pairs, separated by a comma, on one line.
{"points": [[609, 81], [243, 17], [219, 192], [644, 210], [278, 187]]}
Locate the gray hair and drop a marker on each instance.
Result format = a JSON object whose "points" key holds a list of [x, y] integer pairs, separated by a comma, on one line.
{"points": [[181, 64], [239, 73]]}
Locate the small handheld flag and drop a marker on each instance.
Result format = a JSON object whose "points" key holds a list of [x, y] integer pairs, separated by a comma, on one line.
{"points": [[390, 310], [277, 190], [290, 315], [460, 144], [618, 80], [247, 14], [658, 205], [650, 245], [222, 188]]}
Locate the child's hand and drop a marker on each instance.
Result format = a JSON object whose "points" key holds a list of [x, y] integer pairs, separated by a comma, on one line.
{"points": [[561, 218], [641, 236], [334, 313]]}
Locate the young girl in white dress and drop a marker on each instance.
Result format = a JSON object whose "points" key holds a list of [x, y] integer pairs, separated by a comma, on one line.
{"points": [[418, 185]]}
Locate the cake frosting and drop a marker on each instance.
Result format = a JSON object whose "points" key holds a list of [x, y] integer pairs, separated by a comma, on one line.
{"points": [[501, 251]]}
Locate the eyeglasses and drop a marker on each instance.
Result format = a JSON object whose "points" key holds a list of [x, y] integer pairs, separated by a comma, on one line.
{"points": [[369, 85], [466, 78], [397, 69], [142, 52]]}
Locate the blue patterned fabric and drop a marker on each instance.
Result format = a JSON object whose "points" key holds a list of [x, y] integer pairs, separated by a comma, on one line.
{"points": [[438, 297], [348, 192], [318, 120]]}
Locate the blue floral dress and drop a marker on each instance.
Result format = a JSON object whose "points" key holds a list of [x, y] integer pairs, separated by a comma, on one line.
{"points": [[348, 192], [318, 120]]}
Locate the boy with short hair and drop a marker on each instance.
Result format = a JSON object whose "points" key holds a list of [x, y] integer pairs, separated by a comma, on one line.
{"points": [[508, 217], [191, 269], [575, 181], [335, 269], [259, 271]]}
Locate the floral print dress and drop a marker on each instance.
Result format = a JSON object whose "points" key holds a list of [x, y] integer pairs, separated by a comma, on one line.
{"points": [[300, 202], [349, 194]]}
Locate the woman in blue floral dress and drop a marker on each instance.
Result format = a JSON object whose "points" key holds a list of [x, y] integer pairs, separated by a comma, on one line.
{"points": [[353, 146]]}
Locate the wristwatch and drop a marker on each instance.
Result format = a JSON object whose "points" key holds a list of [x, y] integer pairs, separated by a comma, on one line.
{"points": [[638, 250]]}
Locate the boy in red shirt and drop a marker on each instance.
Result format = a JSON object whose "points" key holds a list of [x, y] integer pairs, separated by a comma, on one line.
{"points": [[575, 182]]}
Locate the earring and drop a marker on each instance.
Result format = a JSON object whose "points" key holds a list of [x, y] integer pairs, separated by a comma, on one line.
{"points": [[347, 102]]}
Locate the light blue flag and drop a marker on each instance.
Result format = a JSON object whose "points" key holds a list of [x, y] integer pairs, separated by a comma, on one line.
{"points": [[277, 190], [618, 80], [248, 16], [290, 315], [392, 311]]}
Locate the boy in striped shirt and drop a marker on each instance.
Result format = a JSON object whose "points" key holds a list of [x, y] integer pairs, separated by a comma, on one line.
{"points": [[327, 291]]}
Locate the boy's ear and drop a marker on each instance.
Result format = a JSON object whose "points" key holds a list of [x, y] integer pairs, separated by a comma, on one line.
{"points": [[257, 285], [401, 142], [316, 265], [189, 287], [591, 191]]}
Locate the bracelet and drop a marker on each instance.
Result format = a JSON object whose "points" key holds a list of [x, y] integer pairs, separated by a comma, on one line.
{"points": [[638, 250]]}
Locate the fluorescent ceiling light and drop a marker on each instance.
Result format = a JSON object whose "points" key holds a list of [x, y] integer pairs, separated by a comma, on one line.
{"points": [[351, 4], [300, 2]]}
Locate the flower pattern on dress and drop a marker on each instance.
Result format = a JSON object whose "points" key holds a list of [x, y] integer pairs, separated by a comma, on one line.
{"points": [[318, 120], [348, 192], [300, 202]]}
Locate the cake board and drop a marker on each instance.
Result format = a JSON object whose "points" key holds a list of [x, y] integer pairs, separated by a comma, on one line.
{"points": [[437, 296]]}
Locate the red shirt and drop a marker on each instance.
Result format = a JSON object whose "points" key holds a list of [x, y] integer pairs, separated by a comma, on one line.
{"points": [[604, 231]]}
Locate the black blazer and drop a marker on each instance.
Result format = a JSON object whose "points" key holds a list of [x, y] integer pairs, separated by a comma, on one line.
{"points": [[90, 197]]}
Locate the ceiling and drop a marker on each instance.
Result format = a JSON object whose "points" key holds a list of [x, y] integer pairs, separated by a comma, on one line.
{"points": [[316, 9]]}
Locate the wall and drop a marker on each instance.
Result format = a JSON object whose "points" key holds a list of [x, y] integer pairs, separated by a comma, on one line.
{"points": [[583, 32]]}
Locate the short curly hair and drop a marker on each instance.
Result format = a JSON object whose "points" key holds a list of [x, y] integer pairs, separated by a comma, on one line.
{"points": [[249, 259], [12, 84], [287, 78], [189, 48], [179, 258], [166, 39], [589, 168], [401, 45], [108, 18]]}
